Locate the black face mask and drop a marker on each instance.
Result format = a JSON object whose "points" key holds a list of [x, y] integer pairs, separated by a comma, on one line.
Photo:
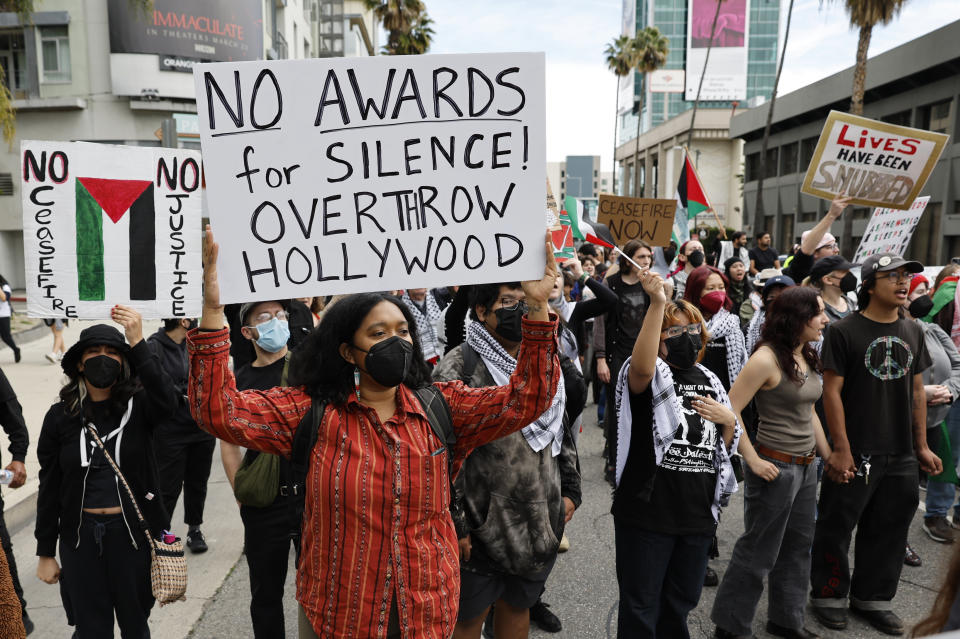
{"points": [[101, 371], [509, 322], [682, 350], [921, 306], [848, 283], [695, 258], [388, 362]]}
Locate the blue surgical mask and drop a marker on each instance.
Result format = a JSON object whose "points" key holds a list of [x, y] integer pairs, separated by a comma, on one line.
{"points": [[273, 335]]}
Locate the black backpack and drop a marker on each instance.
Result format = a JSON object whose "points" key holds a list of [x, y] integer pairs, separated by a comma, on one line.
{"points": [[305, 438]]}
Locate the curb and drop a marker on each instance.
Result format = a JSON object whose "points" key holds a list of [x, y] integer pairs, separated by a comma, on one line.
{"points": [[20, 516], [31, 334]]}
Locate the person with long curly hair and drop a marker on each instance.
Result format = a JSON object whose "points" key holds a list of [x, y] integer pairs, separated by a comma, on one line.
{"points": [[945, 613], [379, 553], [780, 483]]}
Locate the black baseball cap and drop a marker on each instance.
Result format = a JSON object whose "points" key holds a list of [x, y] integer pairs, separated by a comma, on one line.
{"points": [[826, 265], [884, 262]]}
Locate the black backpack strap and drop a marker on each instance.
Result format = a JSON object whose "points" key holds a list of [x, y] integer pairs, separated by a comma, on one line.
{"points": [[470, 360], [304, 439], [438, 414]]}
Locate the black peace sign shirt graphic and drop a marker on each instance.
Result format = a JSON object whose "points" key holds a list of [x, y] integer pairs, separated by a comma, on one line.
{"points": [[877, 362]]}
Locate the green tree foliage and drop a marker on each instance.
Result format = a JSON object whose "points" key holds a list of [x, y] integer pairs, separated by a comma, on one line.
{"points": [[409, 28]]}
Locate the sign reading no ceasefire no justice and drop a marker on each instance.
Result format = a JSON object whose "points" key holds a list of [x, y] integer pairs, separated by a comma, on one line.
{"points": [[347, 175]]}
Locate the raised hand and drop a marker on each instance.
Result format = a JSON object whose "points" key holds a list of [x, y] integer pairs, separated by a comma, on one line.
{"points": [[212, 313], [653, 285], [131, 322], [538, 291]]}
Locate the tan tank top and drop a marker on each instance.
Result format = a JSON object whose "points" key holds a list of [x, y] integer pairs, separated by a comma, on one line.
{"points": [[786, 415]]}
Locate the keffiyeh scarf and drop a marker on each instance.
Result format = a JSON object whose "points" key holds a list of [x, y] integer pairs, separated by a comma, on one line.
{"points": [[548, 429], [724, 324], [426, 324], [754, 328], [667, 417]]}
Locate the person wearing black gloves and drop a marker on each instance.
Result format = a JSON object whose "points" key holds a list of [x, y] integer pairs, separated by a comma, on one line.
{"points": [[11, 418], [184, 452], [119, 390]]}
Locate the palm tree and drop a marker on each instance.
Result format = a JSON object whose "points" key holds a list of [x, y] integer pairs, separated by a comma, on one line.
{"points": [[24, 10], [414, 42], [650, 50], [620, 60], [864, 14], [706, 61], [407, 25], [759, 213]]}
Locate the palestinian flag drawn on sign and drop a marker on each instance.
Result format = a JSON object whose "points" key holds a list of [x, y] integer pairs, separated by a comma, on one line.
{"points": [[129, 203], [691, 200], [563, 239]]}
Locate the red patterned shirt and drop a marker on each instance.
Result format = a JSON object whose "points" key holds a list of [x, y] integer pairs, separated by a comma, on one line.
{"points": [[376, 522]]}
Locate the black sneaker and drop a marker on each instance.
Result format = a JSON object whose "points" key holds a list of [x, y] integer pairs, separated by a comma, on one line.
{"points": [[541, 615], [833, 618], [16, 356], [195, 541]]}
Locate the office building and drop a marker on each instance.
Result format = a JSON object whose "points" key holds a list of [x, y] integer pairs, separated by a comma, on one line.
{"points": [[916, 84], [102, 71]]}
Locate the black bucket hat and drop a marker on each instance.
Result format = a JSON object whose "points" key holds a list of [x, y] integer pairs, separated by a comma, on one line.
{"points": [[96, 335]]}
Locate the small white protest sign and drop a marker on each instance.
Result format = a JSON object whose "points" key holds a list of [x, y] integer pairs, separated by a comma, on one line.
{"points": [[344, 175], [890, 230], [106, 225], [875, 163]]}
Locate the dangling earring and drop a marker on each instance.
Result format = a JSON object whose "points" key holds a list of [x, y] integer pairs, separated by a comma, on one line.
{"points": [[356, 382]]}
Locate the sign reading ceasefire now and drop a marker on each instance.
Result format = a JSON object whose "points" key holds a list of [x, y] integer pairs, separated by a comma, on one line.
{"points": [[345, 175], [630, 218], [875, 163]]}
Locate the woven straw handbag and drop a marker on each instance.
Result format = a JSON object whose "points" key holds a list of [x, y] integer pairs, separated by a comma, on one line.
{"points": [[168, 566]]}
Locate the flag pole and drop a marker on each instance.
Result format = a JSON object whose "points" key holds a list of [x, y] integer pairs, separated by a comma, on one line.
{"points": [[593, 239], [686, 154]]}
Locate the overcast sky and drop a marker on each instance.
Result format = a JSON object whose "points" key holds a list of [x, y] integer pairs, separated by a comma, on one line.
{"points": [[581, 92]]}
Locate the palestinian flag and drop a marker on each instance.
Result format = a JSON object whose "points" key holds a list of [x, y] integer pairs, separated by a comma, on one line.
{"points": [[691, 200], [563, 239], [117, 215]]}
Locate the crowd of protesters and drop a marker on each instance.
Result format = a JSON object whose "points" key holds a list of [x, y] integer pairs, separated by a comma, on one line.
{"points": [[417, 449]]}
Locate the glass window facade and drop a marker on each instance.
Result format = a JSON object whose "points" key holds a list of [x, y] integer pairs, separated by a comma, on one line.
{"points": [[670, 16]]}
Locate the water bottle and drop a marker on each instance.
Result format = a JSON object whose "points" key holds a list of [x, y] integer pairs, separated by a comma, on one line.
{"points": [[6, 476]]}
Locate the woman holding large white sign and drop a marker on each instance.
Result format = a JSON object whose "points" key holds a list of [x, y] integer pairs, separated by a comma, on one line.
{"points": [[379, 551]]}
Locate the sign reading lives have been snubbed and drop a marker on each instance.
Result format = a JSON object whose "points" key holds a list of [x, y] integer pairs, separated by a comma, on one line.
{"points": [[361, 174], [875, 163], [106, 225]]}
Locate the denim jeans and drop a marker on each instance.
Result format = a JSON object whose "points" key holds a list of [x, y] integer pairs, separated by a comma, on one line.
{"points": [[660, 578], [779, 519], [941, 495]]}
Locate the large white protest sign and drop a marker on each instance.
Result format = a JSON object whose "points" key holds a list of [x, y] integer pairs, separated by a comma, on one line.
{"points": [[343, 175], [875, 163], [890, 230], [106, 225]]}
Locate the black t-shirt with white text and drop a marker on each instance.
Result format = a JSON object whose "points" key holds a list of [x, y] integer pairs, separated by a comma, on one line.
{"points": [[685, 482], [877, 362]]}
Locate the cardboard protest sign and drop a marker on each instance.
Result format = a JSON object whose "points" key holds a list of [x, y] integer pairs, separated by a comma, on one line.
{"points": [[342, 175], [875, 163], [890, 230], [631, 218], [106, 225]]}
